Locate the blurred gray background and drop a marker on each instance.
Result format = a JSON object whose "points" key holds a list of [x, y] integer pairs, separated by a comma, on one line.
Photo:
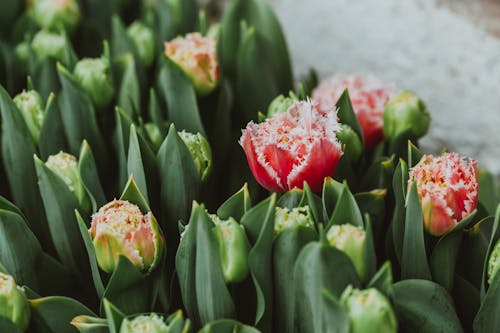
{"points": [[448, 51]]}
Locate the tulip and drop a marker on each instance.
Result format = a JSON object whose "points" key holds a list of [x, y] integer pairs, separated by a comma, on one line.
{"points": [[352, 241], [196, 56], [406, 113], [369, 311], [49, 45], [233, 249], [494, 262], [144, 41], [152, 323], [369, 97], [200, 151], [281, 104], [120, 229], [95, 77], [292, 218], [13, 302], [447, 188], [56, 14], [297, 146], [66, 167], [31, 106]]}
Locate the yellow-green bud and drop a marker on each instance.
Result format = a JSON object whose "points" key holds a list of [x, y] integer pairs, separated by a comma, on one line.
{"points": [[369, 311], [494, 262], [296, 217], [66, 167], [200, 151], [13, 302], [56, 14], [351, 240], [144, 41], [31, 106], [49, 45], [351, 143], [94, 74], [152, 323], [406, 113], [281, 104], [233, 249]]}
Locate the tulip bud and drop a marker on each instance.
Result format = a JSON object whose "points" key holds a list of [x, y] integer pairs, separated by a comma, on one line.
{"points": [[13, 302], [297, 146], [369, 311], [56, 14], [120, 229], [197, 57], [31, 106], [233, 249], [66, 167], [95, 77], [406, 113], [447, 187], [352, 241], [494, 262], [49, 45], [369, 97], [351, 143], [152, 323], [144, 41], [200, 151], [292, 218], [281, 104]]}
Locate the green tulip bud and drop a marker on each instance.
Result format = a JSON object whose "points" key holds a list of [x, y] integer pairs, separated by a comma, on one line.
{"points": [[494, 262], [56, 14], [200, 151], [351, 240], [22, 52], [281, 104], [119, 228], [86, 324], [94, 74], [369, 311], [66, 167], [351, 143], [151, 323], [144, 41], [31, 106], [233, 249], [296, 217], [406, 113], [49, 45], [13, 302]]}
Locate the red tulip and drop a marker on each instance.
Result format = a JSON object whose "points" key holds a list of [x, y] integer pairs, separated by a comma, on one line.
{"points": [[292, 147], [448, 190], [368, 97]]}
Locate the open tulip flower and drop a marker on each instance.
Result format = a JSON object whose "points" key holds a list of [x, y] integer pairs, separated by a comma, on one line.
{"points": [[448, 190], [297, 146], [196, 55], [120, 229], [369, 97]]}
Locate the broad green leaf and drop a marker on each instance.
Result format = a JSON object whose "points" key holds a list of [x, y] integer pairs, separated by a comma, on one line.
{"points": [[346, 114], [128, 89], [400, 186], [489, 190], [336, 319], [236, 206], [90, 178], [8, 326], [314, 203], [113, 315], [346, 210], [291, 199], [494, 236], [467, 301], [135, 165], [122, 136], [52, 138], [227, 326], [382, 280], [133, 194], [332, 190]]}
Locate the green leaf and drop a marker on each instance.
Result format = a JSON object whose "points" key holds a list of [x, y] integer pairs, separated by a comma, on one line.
{"points": [[236, 206], [54, 314], [8, 326], [53, 277], [286, 248], [400, 186], [291, 199], [90, 178], [346, 210], [489, 190], [332, 190], [319, 268], [467, 301], [60, 204], [312, 201], [19, 249], [495, 235], [335, 319], [259, 224], [155, 112], [135, 165], [346, 114], [133, 194], [414, 258], [227, 326], [414, 154], [128, 90], [96, 277], [52, 138], [180, 97], [425, 306], [382, 280], [113, 315], [369, 255], [122, 136]]}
